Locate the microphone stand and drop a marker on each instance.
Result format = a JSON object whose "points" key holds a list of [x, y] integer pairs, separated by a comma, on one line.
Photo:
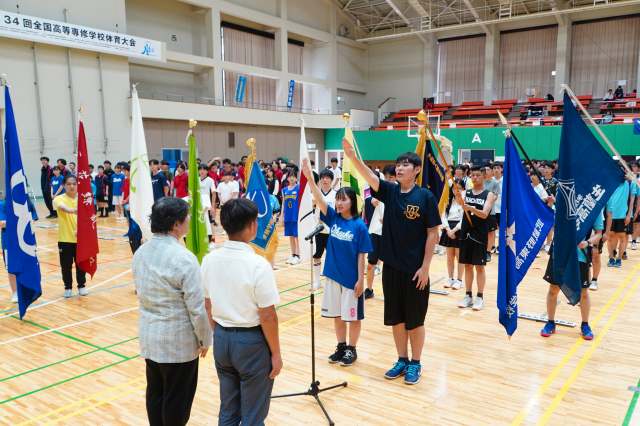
{"points": [[314, 388]]}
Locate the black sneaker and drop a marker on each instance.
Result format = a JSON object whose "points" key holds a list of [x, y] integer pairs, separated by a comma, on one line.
{"points": [[350, 356], [624, 255], [368, 293], [338, 354]]}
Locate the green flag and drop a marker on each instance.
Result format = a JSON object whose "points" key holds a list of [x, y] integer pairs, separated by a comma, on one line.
{"points": [[197, 238]]}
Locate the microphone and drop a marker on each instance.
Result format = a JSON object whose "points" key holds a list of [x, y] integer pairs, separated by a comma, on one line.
{"points": [[318, 229]]}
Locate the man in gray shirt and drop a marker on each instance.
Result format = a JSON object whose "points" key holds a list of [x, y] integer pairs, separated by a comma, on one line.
{"points": [[491, 185]]}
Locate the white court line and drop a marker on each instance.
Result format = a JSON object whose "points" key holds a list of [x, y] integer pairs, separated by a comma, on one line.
{"points": [[51, 330], [62, 298]]}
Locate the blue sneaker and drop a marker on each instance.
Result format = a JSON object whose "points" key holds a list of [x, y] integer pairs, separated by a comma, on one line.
{"points": [[412, 376], [398, 369], [548, 329], [586, 332], [612, 262], [618, 263]]}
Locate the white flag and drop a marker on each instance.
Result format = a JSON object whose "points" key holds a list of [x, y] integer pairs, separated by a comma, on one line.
{"points": [[141, 193], [306, 219]]}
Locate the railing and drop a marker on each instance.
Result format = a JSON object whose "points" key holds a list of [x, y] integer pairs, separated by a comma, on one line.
{"points": [[385, 108], [178, 97]]}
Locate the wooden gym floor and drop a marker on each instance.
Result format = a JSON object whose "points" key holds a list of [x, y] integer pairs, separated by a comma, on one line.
{"points": [[76, 361]]}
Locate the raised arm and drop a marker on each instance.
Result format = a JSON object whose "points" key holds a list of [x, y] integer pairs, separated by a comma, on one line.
{"points": [[315, 191], [365, 172]]}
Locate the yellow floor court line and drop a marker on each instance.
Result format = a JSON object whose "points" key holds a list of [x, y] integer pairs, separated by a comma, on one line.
{"points": [[124, 389], [542, 389], [587, 356]]}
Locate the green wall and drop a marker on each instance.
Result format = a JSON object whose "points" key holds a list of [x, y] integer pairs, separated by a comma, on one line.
{"points": [[539, 142]]}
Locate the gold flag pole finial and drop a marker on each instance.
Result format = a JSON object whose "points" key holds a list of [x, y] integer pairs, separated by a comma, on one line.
{"points": [[251, 143], [192, 123], [422, 116], [346, 117]]}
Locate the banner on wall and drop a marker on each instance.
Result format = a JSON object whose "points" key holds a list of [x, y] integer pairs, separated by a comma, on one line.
{"points": [[241, 85], [43, 30], [292, 88]]}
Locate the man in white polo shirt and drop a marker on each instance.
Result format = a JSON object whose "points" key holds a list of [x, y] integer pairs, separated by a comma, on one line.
{"points": [[240, 298]]}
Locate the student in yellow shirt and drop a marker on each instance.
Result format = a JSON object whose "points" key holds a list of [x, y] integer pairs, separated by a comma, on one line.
{"points": [[67, 207]]}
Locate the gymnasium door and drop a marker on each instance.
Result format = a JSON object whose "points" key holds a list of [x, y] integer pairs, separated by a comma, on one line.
{"points": [[328, 155], [477, 157]]}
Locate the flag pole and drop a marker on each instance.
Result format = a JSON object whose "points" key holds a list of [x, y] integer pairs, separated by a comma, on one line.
{"points": [[517, 141], [346, 117], [598, 130], [422, 116]]}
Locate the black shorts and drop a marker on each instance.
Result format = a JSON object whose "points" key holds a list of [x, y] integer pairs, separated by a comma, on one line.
{"points": [[492, 223], [374, 255], [618, 226], [584, 273], [403, 302], [321, 245], [472, 252], [497, 215], [445, 241]]}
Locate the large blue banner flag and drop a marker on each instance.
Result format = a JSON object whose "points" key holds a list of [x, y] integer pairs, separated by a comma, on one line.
{"points": [[257, 192], [587, 177], [20, 238], [525, 222]]}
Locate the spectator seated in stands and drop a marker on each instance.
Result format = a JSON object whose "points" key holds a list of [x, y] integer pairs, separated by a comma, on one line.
{"points": [[550, 97], [607, 118], [619, 93], [608, 96]]}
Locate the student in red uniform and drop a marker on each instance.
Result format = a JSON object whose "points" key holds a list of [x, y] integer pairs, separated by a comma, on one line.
{"points": [[179, 186]]}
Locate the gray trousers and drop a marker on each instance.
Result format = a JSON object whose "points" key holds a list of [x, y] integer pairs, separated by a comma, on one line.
{"points": [[243, 364]]}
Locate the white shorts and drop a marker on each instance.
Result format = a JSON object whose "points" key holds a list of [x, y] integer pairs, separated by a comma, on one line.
{"points": [[116, 200], [341, 302]]}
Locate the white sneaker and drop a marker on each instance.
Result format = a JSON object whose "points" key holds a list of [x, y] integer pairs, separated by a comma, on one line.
{"points": [[478, 304], [594, 285], [449, 283], [294, 260], [83, 291], [547, 247], [467, 302], [68, 294], [289, 260], [14, 297], [634, 245], [456, 285], [377, 270]]}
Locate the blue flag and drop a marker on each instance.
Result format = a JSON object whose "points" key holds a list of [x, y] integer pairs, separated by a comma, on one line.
{"points": [[587, 177], [257, 192], [636, 126], [22, 260], [525, 222]]}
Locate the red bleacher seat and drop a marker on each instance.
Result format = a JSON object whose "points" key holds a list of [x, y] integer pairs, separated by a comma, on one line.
{"points": [[472, 103], [505, 102]]}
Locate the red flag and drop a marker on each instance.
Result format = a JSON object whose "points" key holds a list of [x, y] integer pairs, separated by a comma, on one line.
{"points": [[87, 250]]}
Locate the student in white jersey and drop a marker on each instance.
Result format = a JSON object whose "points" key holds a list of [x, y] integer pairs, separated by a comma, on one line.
{"points": [[375, 232], [228, 188], [348, 243], [497, 206], [450, 238], [329, 197], [207, 196]]}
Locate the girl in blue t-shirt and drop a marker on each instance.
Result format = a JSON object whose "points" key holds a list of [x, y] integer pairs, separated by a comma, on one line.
{"points": [[344, 267], [290, 216], [57, 188]]}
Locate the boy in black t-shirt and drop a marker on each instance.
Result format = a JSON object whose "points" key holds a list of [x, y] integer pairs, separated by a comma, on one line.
{"points": [[409, 235], [477, 203]]}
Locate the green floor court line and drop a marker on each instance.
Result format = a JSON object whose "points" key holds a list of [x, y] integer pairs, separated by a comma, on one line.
{"points": [[42, 367], [60, 382], [68, 336], [632, 407]]}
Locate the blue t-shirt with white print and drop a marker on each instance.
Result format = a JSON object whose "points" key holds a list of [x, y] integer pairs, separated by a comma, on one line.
{"points": [[347, 239], [117, 179], [598, 225]]}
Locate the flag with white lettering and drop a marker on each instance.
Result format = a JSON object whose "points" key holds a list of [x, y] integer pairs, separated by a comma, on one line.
{"points": [[587, 177], [22, 259], [525, 222]]}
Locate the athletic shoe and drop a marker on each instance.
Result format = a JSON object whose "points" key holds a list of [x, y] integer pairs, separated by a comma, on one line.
{"points": [[288, 261], [398, 369], [634, 245], [51, 216], [478, 304], [338, 354], [14, 297], [487, 257], [494, 250], [82, 291], [412, 375], [586, 332], [449, 283], [350, 356], [467, 302], [368, 293], [377, 270], [68, 293], [547, 247], [618, 263], [612, 262], [624, 255], [548, 329], [456, 285], [295, 260], [594, 285]]}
